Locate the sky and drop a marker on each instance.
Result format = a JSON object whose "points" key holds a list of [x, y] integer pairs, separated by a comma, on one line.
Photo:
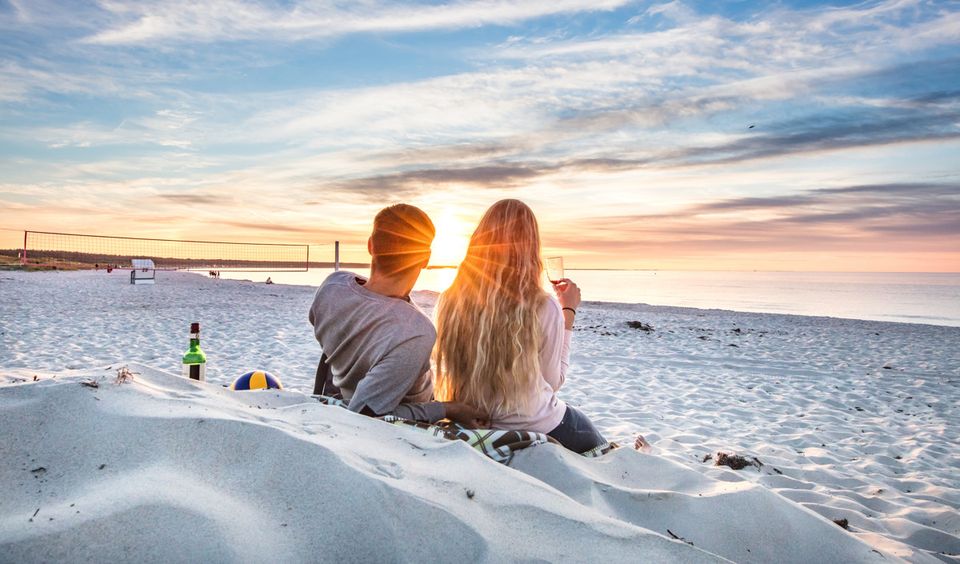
{"points": [[734, 135]]}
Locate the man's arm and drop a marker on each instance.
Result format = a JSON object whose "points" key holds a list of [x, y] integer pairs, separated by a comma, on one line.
{"points": [[387, 382]]}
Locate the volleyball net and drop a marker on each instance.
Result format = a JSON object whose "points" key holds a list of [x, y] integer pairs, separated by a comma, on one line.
{"points": [[52, 249]]}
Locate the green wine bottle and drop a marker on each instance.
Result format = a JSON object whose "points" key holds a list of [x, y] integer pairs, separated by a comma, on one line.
{"points": [[194, 361]]}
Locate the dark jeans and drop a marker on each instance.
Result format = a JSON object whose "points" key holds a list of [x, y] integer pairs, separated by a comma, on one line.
{"points": [[576, 432]]}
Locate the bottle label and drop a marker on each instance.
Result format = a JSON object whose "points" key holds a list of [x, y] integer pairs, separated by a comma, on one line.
{"points": [[195, 371]]}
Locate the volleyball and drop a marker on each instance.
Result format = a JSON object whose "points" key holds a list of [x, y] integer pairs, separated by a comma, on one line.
{"points": [[256, 380]]}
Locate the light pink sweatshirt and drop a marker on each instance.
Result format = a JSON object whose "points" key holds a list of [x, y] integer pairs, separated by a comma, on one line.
{"points": [[546, 410]]}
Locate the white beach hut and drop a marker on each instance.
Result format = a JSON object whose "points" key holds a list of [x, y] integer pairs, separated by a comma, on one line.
{"points": [[144, 272]]}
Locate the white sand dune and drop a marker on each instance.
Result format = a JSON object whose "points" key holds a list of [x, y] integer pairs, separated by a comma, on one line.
{"points": [[851, 419], [735, 519], [162, 469]]}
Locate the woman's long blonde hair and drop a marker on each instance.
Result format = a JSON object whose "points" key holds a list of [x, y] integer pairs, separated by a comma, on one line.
{"points": [[488, 326]]}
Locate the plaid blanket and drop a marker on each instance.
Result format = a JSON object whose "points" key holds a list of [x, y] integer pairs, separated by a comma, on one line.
{"points": [[497, 444]]}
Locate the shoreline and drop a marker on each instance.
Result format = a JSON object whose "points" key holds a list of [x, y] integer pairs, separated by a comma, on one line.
{"points": [[828, 318], [904, 318], [922, 301], [921, 319]]}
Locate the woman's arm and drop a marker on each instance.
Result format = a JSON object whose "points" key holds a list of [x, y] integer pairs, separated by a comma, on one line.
{"points": [[568, 294], [558, 319], [555, 345]]}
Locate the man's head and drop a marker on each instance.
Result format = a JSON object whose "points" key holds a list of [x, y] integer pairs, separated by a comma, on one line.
{"points": [[401, 239]]}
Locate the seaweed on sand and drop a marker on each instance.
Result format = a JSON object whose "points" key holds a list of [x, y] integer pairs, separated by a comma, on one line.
{"points": [[736, 462]]}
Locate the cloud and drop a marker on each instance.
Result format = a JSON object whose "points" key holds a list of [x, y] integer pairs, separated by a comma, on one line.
{"points": [[180, 20], [596, 104], [192, 199], [275, 227], [494, 175], [817, 132], [938, 97], [813, 134], [406, 183], [567, 89], [828, 132], [898, 215], [455, 152]]}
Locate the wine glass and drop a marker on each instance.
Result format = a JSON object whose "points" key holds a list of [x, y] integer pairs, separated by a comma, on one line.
{"points": [[554, 266]]}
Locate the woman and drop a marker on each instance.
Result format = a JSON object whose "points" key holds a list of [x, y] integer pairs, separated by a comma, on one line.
{"points": [[503, 344]]}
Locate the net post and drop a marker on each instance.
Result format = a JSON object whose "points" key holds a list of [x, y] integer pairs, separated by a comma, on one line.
{"points": [[23, 255], [336, 256]]}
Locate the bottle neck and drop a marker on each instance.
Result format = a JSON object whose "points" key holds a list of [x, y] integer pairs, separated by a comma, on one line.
{"points": [[194, 341]]}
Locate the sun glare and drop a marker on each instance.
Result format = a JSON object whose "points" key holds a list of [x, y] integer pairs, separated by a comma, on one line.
{"points": [[450, 245]]}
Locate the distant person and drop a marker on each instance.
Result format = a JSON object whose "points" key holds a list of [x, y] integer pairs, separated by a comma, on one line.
{"points": [[376, 342], [503, 343], [269, 281]]}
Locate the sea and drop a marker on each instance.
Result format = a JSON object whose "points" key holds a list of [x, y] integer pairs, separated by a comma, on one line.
{"points": [[931, 298]]}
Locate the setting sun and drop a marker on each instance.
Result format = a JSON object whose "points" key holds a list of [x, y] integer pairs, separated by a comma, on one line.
{"points": [[450, 245]]}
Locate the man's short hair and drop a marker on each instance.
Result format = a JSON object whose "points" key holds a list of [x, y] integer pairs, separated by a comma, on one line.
{"points": [[401, 239]]}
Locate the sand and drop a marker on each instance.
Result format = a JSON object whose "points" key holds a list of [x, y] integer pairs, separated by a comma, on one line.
{"points": [[847, 419]]}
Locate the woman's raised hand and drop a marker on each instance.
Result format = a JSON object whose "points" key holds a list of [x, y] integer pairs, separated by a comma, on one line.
{"points": [[568, 293]]}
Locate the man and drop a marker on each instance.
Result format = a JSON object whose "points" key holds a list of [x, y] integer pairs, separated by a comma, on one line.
{"points": [[376, 342]]}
